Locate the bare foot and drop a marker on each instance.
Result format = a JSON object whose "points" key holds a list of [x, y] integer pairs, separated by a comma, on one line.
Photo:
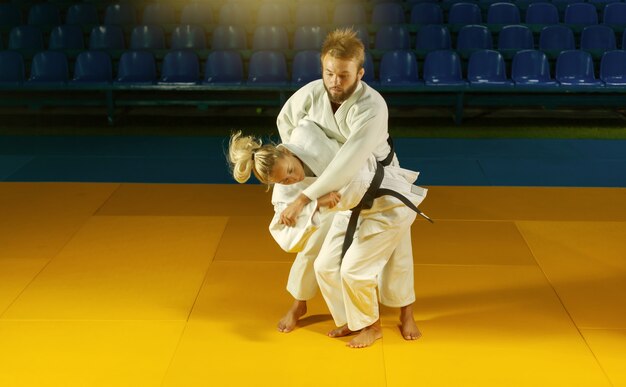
{"points": [[367, 336], [289, 320], [408, 327], [340, 332]]}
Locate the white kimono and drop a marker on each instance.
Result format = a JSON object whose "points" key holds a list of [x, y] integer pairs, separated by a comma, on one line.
{"points": [[360, 125]]}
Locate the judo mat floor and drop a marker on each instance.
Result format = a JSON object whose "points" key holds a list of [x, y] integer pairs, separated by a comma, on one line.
{"points": [[107, 284]]}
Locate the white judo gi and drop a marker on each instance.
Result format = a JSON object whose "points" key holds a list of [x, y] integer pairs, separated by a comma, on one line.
{"points": [[360, 126], [311, 227]]}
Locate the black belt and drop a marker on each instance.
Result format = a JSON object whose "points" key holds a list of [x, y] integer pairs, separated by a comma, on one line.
{"points": [[374, 191]]}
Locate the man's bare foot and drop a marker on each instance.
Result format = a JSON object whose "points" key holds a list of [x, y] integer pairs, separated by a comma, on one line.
{"points": [[289, 320], [340, 332], [367, 336], [408, 327]]}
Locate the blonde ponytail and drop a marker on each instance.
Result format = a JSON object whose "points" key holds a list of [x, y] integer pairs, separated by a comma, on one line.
{"points": [[248, 155]]}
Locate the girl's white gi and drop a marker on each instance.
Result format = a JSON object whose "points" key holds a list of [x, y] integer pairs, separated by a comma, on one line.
{"points": [[360, 126]]}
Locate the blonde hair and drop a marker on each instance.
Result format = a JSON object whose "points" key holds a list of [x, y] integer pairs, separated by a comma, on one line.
{"points": [[344, 44], [247, 155]]}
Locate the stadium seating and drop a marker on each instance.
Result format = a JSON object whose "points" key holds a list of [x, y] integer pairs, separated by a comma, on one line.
{"points": [[93, 67], [120, 14], [49, 67], [26, 37], [267, 68], [392, 37], [147, 37], [575, 68], [188, 36], [530, 68], [12, 70], [82, 14], [197, 13], [137, 67], [388, 13], [426, 14], [309, 37], [443, 68], [613, 68], [270, 38], [486, 68], [107, 37], [398, 68], [66, 37], [180, 66], [224, 67], [503, 13], [306, 67], [229, 38]]}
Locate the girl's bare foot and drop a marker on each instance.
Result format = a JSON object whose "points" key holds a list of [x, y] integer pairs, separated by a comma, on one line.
{"points": [[340, 332], [408, 327], [289, 320], [367, 336]]}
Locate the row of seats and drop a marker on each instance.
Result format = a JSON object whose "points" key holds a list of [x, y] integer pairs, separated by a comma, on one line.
{"points": [[313, 13], [530, 68], [392, 37]]}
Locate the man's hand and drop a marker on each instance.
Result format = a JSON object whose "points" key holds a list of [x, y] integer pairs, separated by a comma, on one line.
{"points": [[290, 214], [329, 200]]}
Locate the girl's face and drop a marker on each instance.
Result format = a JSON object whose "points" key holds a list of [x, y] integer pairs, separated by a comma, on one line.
{"points": [[288, 169]]}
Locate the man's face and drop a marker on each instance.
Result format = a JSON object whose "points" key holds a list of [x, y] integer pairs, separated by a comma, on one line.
{"points": [[341, 78]]}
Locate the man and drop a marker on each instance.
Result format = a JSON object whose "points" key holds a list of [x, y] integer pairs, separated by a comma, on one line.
{"points": [[354, 114]]}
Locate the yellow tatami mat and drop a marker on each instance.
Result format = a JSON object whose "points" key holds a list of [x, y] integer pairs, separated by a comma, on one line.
{"points": [[182, 285]]}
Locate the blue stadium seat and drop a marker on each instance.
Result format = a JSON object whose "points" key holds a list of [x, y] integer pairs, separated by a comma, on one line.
{"points": [[10, 16], [136, 67], [314, 14], [180, 66], [224, 66], [49, 67], [44, 14], [433, 37], [66, 37], [443, 68], [388, 13], [234, 14], [197, 13], [613, 68], [515, 37], [530, 68], [542, 13], [580, 14], [26, 37], [309, 37], [147, 37], [614, 14], [107, 37], [82, 14], [158, 14], [503, 13], [464, 13], [267, 67], [93, 67], [306, 67], [188, 37], [273, 14], [556, 38], [346, 14], [487, 68], [392, 37], [270, 38], [426, 13], [474, 37], [369, 76], [597, 37], [11, 68], [363, 34], [229, 38], [120, 14], [575, 68], [398, 68]]}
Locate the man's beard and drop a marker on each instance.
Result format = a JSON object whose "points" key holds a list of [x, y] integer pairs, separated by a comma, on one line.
{"points": [[339, 99]]}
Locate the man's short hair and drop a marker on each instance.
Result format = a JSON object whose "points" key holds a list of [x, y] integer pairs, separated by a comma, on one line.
{"points": [[344, 44]]}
